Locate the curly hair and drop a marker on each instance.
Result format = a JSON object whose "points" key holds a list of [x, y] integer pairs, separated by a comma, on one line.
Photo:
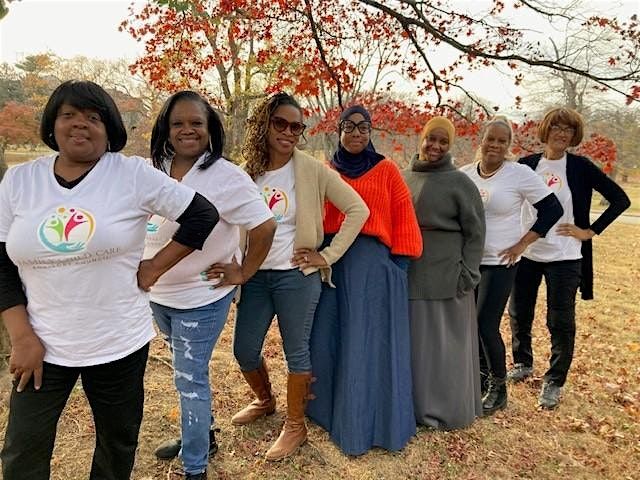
{"points": [[255, 152]]}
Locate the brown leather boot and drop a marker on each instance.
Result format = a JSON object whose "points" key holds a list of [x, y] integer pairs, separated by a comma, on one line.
{"points": [[264, 404], [294, 431]]}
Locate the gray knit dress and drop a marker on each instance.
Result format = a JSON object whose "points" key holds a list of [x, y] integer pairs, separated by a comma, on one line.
{"points": [[444, 332]]}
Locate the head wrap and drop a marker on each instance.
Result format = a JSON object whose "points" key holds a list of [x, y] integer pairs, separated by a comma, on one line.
{"points": [[439, 122], [355, 165]]}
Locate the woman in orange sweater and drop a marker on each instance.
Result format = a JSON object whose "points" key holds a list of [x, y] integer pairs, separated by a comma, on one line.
{"points": [[360, 345]]}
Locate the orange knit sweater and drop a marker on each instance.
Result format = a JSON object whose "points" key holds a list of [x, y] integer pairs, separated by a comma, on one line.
{"points": [[392, 218]]}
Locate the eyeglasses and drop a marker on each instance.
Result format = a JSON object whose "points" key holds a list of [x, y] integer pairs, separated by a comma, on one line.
{"points": [[347, 126], [560, 128], [280, 124]]}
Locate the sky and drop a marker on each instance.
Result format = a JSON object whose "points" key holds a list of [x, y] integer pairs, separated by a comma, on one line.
{"points": [[90, 28]]}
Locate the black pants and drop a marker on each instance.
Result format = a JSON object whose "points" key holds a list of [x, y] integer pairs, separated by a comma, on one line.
{"points": [[562, 279], [116, 396], [492, 294]]}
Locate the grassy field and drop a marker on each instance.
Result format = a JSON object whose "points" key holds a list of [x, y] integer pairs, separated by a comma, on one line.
{"points": [[593, 435]]}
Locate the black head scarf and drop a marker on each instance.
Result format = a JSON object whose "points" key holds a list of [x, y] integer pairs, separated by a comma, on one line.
{"points": [[355, 165]]}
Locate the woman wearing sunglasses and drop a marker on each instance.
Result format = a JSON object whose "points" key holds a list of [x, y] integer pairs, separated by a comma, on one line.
{"points": [[360, 345], [294, 186]]}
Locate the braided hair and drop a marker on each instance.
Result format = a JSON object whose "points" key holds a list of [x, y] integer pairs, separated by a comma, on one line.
{"points": [[255, 152]]}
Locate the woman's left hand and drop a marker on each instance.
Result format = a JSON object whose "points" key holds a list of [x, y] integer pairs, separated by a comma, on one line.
{"points": [[147, 275], [306, 258], [512, 254], [571, 230]]}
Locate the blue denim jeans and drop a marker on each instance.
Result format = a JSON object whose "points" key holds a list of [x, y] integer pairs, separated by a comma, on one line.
{"points": [[293, 297], [192, 334]]}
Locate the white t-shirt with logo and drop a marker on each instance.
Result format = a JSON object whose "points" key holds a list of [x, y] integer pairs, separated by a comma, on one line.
{"points": [[277, 188], [553, 247], [78, 251], [239, 204], [503, 196]]}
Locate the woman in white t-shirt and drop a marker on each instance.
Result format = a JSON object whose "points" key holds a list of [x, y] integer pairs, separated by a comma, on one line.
{"points": [[295, 186], [504, 187], [191, 310], [564, 257], [72, 228]]}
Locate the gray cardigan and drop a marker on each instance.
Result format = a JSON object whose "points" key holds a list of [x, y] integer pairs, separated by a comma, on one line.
{"points": [[451, 218]]}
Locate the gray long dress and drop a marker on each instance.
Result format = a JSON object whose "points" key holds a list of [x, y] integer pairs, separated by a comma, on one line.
{"points": [[444, 333]]}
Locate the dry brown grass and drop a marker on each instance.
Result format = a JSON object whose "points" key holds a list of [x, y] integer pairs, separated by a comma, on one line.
{"points": [[594, 434]]}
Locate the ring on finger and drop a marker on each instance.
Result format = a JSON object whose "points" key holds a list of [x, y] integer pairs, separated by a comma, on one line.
{"points": [[306, 258]]}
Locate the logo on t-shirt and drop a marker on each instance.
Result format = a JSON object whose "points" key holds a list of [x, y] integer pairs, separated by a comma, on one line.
{"points": [[277, 201], [154, 227], [553, 181], [484, 195], [67, 230]]}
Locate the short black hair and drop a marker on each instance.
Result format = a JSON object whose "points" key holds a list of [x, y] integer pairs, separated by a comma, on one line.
{"points": [[83, 95], [160, 132]]}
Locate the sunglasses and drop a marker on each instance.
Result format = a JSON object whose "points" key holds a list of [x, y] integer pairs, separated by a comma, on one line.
{"points": [[280, 124], [347, 126]]}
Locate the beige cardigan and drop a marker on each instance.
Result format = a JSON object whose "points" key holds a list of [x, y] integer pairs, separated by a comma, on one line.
{"points": [[315, 182]]}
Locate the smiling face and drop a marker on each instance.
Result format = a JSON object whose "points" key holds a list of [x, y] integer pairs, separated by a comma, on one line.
{"points": [[434, 145], [560, 137], [188, 130], [80, 134], [495, 145], [282, 143], [355, 141]]}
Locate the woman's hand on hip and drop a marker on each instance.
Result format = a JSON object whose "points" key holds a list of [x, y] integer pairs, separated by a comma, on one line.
{"points": [[227, 273], [571, 230], [26, 361], [307, 258], [147, 275], [512, 254]]}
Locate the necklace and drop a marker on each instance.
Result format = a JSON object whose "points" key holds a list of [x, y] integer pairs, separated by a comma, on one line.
{"points": [[486, 175]]}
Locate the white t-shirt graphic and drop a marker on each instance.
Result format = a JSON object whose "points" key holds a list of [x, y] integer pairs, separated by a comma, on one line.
{"points": [[277, 188], [503, 196], [78, 250], [553, 247], [239, 204]]}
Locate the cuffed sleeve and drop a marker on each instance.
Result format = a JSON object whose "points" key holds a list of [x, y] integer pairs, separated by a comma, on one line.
{"points": [[549, 212], [196, 222]]}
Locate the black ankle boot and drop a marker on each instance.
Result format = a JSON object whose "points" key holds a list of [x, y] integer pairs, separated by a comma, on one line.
{"points": [[484, 383], [496, 397], [170, 449]]}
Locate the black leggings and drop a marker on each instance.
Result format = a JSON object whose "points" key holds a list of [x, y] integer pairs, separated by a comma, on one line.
{"points": [[492, 294]]}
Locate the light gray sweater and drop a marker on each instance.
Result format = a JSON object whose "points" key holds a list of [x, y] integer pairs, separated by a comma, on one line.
{"points": [[451, 218]]}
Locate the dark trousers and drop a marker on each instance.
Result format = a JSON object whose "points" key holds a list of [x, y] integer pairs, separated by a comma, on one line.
{"points": [[492, 294], [116, 396], [562, 280]]}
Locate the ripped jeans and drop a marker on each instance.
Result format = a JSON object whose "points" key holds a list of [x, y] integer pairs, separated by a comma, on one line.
{"points": [[192, 335]]}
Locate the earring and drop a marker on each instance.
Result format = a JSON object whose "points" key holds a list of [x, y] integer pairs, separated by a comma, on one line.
{"points": [[167, 149], [108, 146], [210, 144]]}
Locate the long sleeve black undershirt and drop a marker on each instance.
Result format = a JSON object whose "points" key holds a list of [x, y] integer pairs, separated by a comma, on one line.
{"points": [[549, 212]]}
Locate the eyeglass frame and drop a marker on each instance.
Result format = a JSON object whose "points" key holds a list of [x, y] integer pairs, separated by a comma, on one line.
{"points": [[355, 125], [287, 124], [560, 129]]}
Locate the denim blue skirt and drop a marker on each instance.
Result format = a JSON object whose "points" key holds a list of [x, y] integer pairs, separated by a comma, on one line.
{"points": [[360, 352]]}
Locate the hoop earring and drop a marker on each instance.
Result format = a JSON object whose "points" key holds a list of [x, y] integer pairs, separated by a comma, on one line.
{"points": [[302, 137], [168, 152], [210, 144], [108, 146]]}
